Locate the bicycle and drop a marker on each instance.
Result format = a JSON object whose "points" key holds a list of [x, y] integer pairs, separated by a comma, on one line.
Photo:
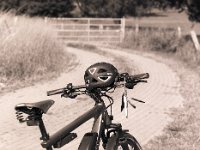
{"points": [[111, 134]]}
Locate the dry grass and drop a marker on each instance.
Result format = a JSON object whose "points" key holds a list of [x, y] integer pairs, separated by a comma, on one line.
{"points": [[183, 133], [151, 39], [29, 50], [163, 40]]}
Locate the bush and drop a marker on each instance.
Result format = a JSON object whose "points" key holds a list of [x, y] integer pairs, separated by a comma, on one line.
{"points": [[53, 8], [162, 40], [187, 52], [29, 50], [153, 39]]}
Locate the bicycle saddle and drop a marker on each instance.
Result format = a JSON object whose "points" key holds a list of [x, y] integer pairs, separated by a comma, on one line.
{"points": [[38, 107]]}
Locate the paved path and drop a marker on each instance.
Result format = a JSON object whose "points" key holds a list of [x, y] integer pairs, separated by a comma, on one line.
{"points": [[148, 120]]}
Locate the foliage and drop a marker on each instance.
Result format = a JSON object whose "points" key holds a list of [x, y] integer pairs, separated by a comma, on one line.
{"points": [[194, 10], [98, 8], [112, 8], [53, 8], [162, 40], [192, 7]]}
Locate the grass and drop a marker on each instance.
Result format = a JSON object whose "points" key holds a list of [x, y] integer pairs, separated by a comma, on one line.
{"points": [[163, 40], [183, 133], [165, 19], [29, 51]]}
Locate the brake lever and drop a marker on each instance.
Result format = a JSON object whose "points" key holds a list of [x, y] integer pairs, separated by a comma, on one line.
{"points": [[124, 105], [141, 80], [64, 95], [69, 95], [145, 81], [132, 104], [137, 100]]}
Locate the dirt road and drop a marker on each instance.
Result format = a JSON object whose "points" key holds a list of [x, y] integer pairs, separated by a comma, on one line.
{"points": [[145, 122]]}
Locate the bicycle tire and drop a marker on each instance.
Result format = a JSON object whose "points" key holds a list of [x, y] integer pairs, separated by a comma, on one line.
{"points": [[130, 143]]}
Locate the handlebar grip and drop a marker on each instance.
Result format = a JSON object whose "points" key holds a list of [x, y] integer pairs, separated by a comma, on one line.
{"points": [[54, 92], [68, 88], [140, 76]]}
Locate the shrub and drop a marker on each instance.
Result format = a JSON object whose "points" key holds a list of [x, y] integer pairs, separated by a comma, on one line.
{"points": [[53, 8], [162, 40], [29, 50]]}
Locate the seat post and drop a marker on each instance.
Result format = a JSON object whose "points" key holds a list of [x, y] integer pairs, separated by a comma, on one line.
{"points": [[45, 135]]}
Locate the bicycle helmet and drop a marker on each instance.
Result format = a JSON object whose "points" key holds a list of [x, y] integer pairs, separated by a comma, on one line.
{"points": [[100, 75]]}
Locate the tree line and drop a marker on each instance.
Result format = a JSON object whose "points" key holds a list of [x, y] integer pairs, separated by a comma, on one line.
{"points": [[98, 8]]}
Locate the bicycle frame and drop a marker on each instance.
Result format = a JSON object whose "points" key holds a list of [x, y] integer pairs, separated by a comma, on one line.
{"points": [[103, 128], [98, 112]]}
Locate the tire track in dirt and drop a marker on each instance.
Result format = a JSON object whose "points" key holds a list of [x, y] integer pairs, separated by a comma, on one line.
{"points": [[148, 120]]}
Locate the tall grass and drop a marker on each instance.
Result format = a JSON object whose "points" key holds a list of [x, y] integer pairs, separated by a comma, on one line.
{"points": [[29, 50], [163, 40]]}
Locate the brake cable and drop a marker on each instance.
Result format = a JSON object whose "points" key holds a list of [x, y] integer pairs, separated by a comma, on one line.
{"points": [[110, 100]]}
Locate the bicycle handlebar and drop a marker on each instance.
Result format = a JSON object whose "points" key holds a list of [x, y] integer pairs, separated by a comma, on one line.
{"points": [[70, 90], [69, 87], [54, 92]]}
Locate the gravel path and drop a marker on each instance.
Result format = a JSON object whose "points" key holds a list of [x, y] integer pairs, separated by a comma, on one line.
{"points": [[148, 120]]}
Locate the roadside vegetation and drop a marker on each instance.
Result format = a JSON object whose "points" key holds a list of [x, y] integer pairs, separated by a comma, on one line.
{"points": [[183, 132], [29, 52], [163, 40]]}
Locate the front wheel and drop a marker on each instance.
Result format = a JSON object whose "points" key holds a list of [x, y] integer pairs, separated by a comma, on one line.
{"points": [[124, 142]]}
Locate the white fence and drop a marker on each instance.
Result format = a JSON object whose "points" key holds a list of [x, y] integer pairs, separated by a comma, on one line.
{"points": [[90, 30]]}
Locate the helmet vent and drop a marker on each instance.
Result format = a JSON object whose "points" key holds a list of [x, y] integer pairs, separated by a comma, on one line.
{"points": [[92, 70], [104, 78], [101, 71]]}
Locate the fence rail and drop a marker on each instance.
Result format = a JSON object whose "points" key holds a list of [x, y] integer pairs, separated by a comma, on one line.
{"points": [[98, 30]]}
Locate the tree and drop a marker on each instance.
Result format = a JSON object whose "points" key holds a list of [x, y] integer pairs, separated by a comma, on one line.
{"points": [[50, 8], [192, 7], [98, 8], [111, 8], [6, 5], [193, 10]]}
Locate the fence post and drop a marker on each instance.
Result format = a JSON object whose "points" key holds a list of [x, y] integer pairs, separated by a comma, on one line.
{"points": [[101, 28], [136, 29], [195, 40], [15, 20], [62, 26], [179, 32], [123, 26], [45, 19], [88, 38]]}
